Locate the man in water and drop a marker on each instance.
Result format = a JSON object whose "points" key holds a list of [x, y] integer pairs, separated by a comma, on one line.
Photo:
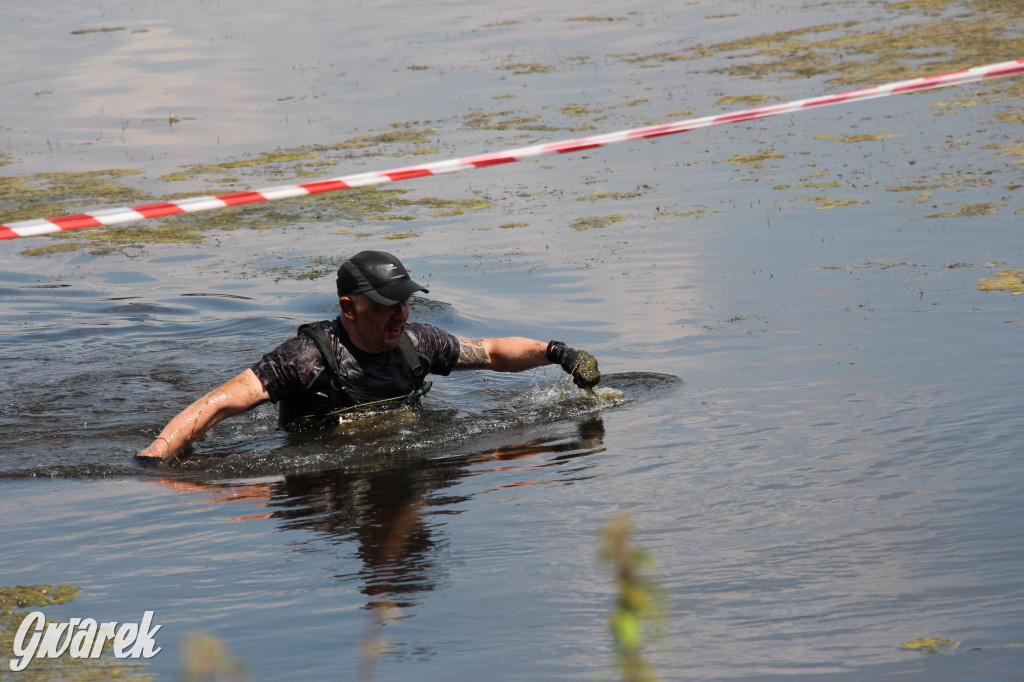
{"points": [[368, 358]]}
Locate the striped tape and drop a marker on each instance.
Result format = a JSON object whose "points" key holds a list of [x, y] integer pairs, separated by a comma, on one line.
{"points": [[114, 216]]}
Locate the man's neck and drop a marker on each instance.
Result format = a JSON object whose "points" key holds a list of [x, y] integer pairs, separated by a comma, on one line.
{"points": [[356, 339]]}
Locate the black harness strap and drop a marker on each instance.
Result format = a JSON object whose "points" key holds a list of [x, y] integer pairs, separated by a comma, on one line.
{"points": [[318, 334], [412, 358], [323, 343]]}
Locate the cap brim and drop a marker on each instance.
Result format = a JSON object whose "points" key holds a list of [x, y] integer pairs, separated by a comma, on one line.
{"points": [[395, 293]]}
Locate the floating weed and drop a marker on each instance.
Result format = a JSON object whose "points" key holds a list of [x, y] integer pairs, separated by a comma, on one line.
{"points": [[601, 194], [523, 69], [595, 222], [1005, 280], [264, 162], [86, 31], [451, 207], [53, 248], [969, 210], [809, 184], [755, 160], [693, 212], [575, 110], [598, 19], [481, 121], [928, 645], [943, 181], [851, 53], [749, 100], [498, 24], [1007, 150], [401, 235], [825, 203], [1011, 117], [55, 194], [507, 226], [853, 138], [24, 596]]}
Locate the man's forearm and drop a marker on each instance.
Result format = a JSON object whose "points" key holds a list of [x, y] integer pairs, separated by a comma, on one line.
{"points": [[509, 354], [233, 397]]}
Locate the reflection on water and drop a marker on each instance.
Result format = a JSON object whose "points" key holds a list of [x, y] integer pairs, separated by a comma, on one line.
{"points": [[385, 505]]}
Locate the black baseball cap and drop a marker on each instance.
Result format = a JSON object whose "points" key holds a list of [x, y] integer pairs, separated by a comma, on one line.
{"points": [[379, 275]]}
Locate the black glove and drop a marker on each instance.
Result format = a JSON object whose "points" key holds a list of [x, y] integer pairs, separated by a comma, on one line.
{"points": [[578, 363]]}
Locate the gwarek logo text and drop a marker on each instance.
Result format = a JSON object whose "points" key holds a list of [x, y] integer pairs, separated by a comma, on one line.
{"points": [[82, 638]]}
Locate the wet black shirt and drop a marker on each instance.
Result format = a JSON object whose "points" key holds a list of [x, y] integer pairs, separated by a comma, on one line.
{"points": [[295, 375]]}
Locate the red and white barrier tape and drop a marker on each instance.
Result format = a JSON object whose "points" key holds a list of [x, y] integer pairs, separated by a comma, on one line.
{"points": [[113, 216]]}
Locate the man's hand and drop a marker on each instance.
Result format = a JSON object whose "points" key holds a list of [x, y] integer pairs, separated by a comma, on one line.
{"points": [[160, 449], [234, 396], [580, 364]]}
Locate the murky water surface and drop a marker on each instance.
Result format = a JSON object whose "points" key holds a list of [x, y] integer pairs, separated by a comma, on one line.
{"points": [[820, 425]]}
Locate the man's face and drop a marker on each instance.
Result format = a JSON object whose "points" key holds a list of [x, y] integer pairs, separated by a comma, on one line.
{"points": [[373, 327]]}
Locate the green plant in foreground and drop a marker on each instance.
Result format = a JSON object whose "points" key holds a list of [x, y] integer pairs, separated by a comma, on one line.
{"points": [[639, 606]]}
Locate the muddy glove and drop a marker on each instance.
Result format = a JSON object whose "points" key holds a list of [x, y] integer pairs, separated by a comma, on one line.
{"points": [[580, 364]]}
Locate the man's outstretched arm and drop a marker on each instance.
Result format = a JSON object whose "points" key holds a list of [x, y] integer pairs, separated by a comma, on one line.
{"points": [[234, 396], [516, 354]]}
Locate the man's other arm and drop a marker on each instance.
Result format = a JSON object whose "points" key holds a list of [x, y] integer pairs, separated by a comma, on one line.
{"points": [[510, 354], [234, 396]]}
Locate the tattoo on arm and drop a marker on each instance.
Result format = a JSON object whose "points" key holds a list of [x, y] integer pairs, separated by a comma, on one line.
{"points": [[473, 354]]}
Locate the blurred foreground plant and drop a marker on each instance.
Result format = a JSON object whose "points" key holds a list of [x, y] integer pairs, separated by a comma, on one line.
{"points": [[639, 607], [206, 657]]}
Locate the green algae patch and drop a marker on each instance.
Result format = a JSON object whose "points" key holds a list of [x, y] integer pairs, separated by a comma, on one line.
{"points": [[825, 203], [810, 184], [597, 19], [1005, 280], [747, 100], [942, 181], [601, 194], [928, 645], [755, 160], [24, 596], [523, 69], [506, 22], [913, 38], [49, 195], [505, 120], [60, 247], [595, 222], [401, 235], [309, 161], [508, 226], [264, 161], [853, 138], [682, 214], [576, 110], [1007, 149], [969, 210], [86, 31], [452, 207]]}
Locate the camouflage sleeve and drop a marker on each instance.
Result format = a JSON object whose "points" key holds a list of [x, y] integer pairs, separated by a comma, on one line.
{"points": [[290, 368], [438, 349]]}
